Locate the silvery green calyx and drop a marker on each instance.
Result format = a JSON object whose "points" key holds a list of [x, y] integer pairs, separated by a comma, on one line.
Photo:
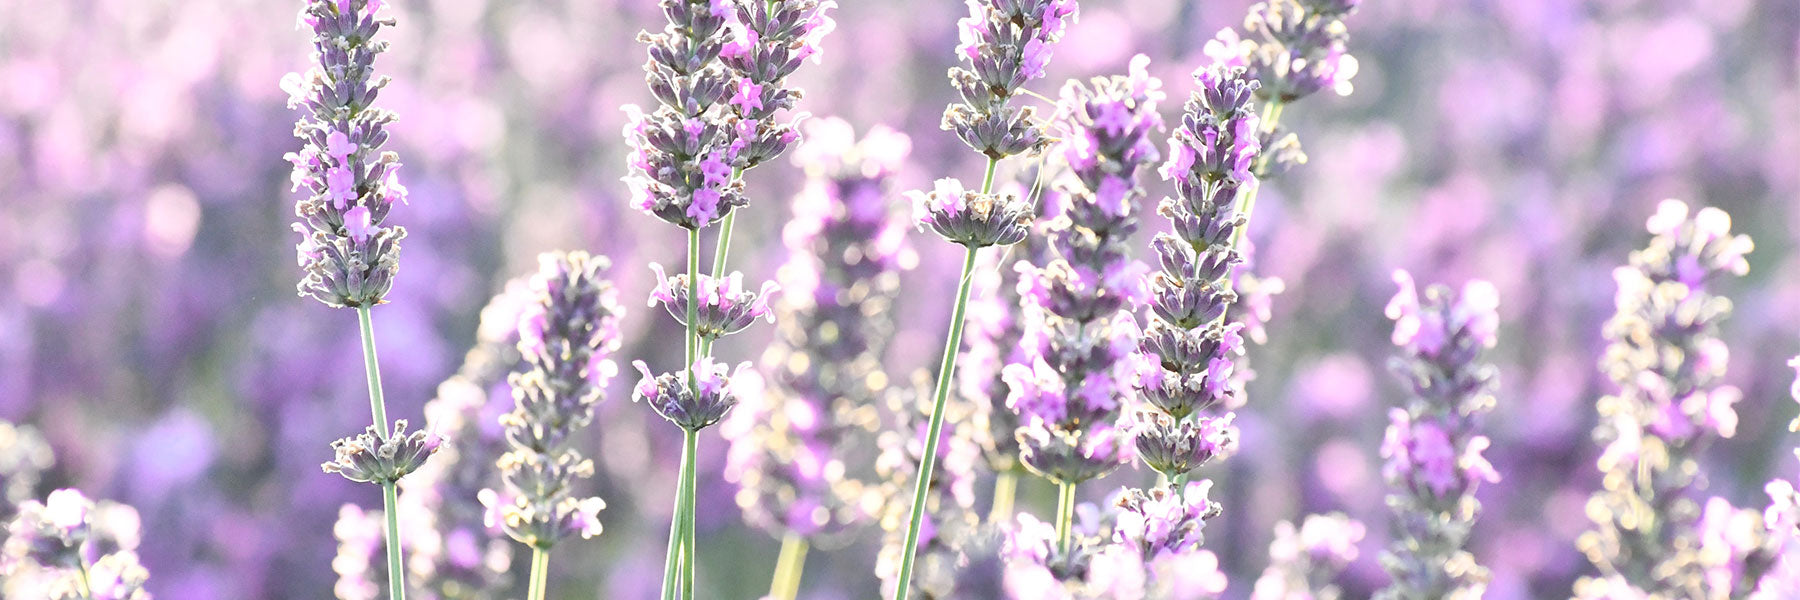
{"points": [[378, 457], [1651, 529], [770, 41], [969, 217], [80, 549], [1004, 44], [349, 256], [1433, 450], [693, 407], [567, 335], [1303, 561], [724, 308], [1175, 447], [683, 151]]}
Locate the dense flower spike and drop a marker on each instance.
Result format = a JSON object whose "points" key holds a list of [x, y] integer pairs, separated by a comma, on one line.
{"points": [[1189, 348], [1165, 520], [1667, 360], [725, 306], [1004, 44], [684, 151], [1294, 48], [950, 524], [845, 253], [82, 550], [1079, 346], [769, 41], [379, 457], [970, 217], [1303, 562], [567, 335], [349, 256], [1433, 452]]}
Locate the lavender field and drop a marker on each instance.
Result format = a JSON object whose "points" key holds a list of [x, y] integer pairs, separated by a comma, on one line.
{"points": [[834, 299]]}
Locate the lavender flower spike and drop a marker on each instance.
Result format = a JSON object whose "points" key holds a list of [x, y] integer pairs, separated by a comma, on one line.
{"points": [[1667, 360], [566, 338], [1005, 43], [349, 256], [1433, 453], [771, 40], [1079, 343], [683, 152], [1304, 561], [82, 550]]}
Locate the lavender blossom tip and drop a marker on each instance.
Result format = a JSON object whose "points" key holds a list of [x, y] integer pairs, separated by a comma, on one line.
{"points": [[372, 457]]}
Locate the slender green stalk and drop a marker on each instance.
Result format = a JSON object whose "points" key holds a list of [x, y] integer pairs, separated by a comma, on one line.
{"points": [[396, 573], [691, 561], [724, 245], [911, 547], [677, 531], [1006, 488], [378, 409], [540, 574], [788, 568], [87, 586], [1065, 515], [693, 305], [1247, 204]]}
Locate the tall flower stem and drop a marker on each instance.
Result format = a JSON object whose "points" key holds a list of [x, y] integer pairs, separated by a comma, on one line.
{"points": [[677, 531], [788, 568], [691, 558], [389, 501], [1065, 514], [540, 574], [910, 550], [1006, 488]]}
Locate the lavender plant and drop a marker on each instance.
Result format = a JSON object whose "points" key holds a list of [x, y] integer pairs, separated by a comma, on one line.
{"points": [[1079, 339], [1303, 561], [566, 338], [1004, 45], [686, 155], [942, 546], [350, 257], [1667, 360], [845, 253], [1146, 544], [1433, 451], [68, 547]]}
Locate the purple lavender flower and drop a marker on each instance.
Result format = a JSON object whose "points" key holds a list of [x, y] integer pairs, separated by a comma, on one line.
{"points": [[971, 218], [845, 251], [1164, 520], [1188, 350], [82, 549], [1304, 561], [1434, 461], [725, 306], [1298, 48], [1667, 360], [358, 533], [683, 152], [1078, 348], [692, 407], [1175, 447], [349, 256], [1005, 43], [380, 457], [770, 41], [566, 338]]}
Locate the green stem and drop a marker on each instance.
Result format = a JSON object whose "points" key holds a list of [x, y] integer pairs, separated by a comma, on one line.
{"points": [[87, 586], [911, 547], [691, 551], [792, 562], [378, 409], [724, 245], [987, 181], [1065, 515], [677, 534], [396, 574], [540, 574], [693, 304], [1247, 204], [1006, 487]]}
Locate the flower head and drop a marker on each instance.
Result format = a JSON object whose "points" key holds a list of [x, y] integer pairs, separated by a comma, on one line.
{"points": [[692, 407], [724, 308], [376, 456], [969, 217]]}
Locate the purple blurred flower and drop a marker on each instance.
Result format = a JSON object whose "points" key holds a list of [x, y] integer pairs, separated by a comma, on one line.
{"points": [[1303, 562], [566, 338], [79, 549], [1165, 520], [1667, 361]]}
